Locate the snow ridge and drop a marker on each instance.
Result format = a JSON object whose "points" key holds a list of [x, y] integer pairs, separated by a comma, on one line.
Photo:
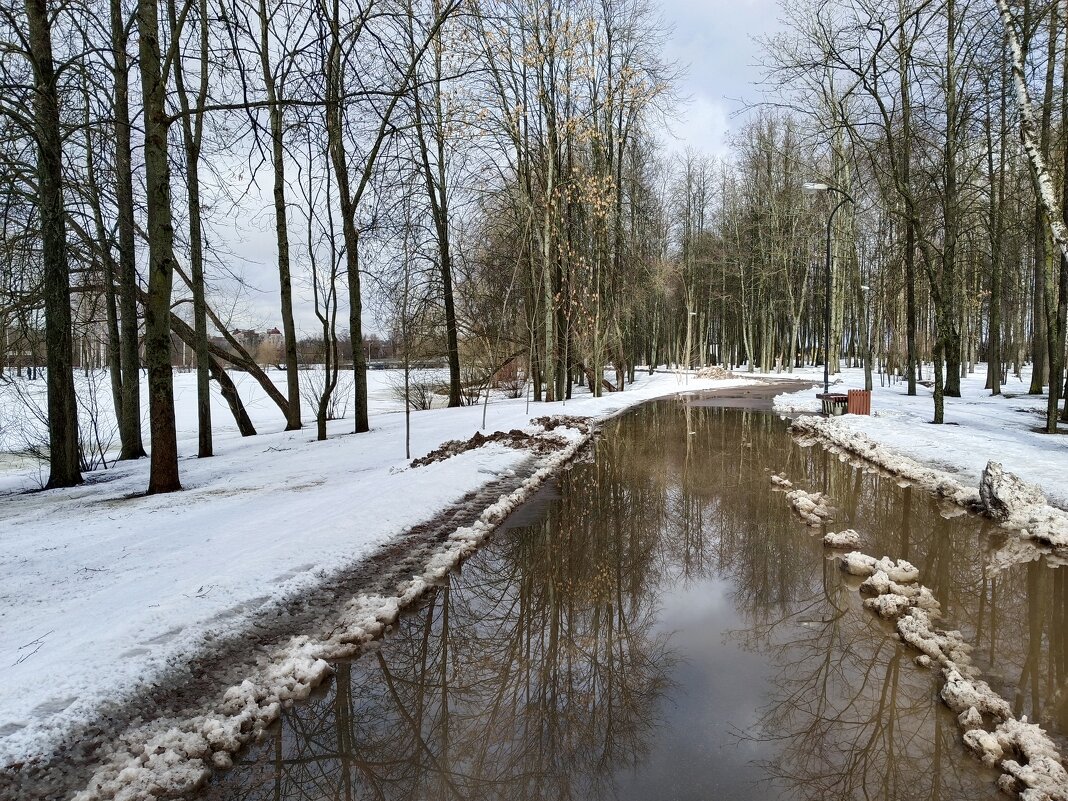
{"points": [[1029, 760], [1017, 505], [168, 758]]}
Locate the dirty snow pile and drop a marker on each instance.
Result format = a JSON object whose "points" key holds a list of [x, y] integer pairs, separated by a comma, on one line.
{"points": [[1030, 763], [812, 507], [1019, 506], [1022, 507], [842, 539], [715, 372], [162, 758]]}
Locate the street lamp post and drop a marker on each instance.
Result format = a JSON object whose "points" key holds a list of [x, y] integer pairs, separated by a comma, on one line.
{"points": [[812, 188], [865, 290]]}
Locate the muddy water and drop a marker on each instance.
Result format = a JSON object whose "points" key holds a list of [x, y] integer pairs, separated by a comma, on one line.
{"points": [[657, 624]]}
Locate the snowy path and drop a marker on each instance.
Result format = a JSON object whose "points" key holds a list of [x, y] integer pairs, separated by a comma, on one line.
{"points": [[106, 589]]}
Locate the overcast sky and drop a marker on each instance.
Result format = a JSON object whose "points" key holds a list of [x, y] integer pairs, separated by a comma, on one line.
{"points": [[712, 40]]}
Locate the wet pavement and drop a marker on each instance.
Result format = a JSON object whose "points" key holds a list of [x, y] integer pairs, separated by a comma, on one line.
{"points": [[657, 624]]}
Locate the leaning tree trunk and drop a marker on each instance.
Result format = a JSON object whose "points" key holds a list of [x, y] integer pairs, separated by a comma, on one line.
{"points": [[64, 465], [1036, 161]]}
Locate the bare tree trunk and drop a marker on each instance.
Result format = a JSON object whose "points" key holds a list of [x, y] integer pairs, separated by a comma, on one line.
{"points": [[437, 189], [1040, 175], [996, 179], [132, 446], [947, 310], [64, 464], [233, 398], [281, 226], [193, 135], [163, 475], [1061, 323], [185, 332]]}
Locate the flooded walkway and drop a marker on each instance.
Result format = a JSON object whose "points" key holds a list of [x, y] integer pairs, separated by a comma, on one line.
{"points": [[658, 624]]}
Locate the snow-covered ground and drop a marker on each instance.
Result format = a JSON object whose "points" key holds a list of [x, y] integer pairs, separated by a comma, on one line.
{"points": [[105, 588], [22, 409], [979, 428]]}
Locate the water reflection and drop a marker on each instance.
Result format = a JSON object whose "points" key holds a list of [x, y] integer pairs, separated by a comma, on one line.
{"points": [[659, 625]]}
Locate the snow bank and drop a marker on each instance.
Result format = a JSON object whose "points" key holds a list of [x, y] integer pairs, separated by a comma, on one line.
{"points": [[938, 482], [130, 588], [800, 402], [979, 427], [1030, 763], [167, 758], [1016, 504]]}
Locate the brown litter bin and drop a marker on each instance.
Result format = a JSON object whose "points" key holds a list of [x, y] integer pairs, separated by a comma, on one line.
{"points": [[859, 401]]}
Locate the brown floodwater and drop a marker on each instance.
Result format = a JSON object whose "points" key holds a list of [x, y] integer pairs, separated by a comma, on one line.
{"points": [[657, 624]]}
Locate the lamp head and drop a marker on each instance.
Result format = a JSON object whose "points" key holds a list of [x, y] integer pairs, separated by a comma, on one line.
{"points": [[812, 187]]}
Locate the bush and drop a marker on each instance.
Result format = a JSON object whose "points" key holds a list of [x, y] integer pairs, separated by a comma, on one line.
{"points": [[24, 421], [423, 386], [313, 385]]}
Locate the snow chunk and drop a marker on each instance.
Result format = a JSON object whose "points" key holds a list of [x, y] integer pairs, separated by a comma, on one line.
{"points": [[962, 694], [860, 564], [879, 583], [842, 539], [781, 481], [941, 647], [1002, 493], [890, 605], [970, 719], [812, 507], [984, 744], [1021, 506], [1040, 770]]}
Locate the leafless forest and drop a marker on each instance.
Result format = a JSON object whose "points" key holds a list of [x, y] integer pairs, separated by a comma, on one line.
{"points": [[493, 177]]}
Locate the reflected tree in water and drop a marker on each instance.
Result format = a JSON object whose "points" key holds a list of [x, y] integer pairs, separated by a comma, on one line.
{"points": [[539, 671]]}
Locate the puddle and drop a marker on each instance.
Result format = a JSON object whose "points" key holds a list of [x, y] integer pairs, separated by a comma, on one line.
{"points": [[659, 624]]}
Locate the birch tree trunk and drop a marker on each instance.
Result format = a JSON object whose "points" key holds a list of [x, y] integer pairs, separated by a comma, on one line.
{"points": [[1040, 175]]}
